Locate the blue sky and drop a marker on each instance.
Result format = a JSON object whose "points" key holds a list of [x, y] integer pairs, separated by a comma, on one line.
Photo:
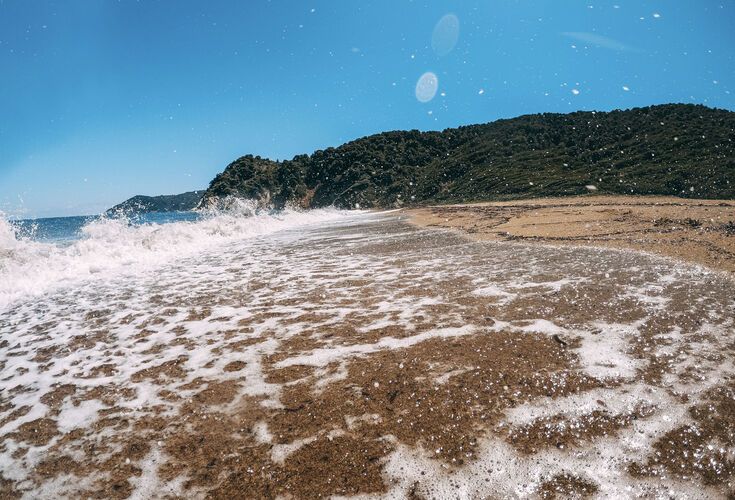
{"points": [[102, 100]]}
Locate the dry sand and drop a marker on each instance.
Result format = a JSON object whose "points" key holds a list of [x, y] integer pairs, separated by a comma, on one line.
{"points": [[698, 231]]}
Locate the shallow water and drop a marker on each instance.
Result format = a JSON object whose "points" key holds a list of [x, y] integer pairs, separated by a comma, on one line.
{"points": [[44, 254], [352, 353]]}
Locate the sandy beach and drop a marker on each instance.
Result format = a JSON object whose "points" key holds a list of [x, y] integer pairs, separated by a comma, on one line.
{"points": [[367, 250], [697, 231], [368, 356]]}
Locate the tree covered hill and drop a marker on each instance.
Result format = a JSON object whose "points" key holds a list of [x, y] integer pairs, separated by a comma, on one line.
{"points": [[163, 203], [672, 149]]}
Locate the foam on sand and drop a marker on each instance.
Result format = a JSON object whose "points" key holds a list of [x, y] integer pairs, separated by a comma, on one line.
{"points": [[374, 353]]}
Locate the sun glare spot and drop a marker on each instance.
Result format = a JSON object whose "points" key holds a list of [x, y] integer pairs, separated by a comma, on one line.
{"points": [[426, 87], [445, 35]]}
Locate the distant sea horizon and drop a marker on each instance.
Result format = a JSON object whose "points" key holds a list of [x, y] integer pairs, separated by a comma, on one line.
{"points": [[69, 228]]}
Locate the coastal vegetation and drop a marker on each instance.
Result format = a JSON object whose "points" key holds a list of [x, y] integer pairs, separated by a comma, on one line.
{"points": [[163, 203], [673, 149]]}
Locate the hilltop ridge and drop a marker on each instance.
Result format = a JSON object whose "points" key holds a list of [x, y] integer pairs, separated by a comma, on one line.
{"points": [[163, 203], [673, 149]]}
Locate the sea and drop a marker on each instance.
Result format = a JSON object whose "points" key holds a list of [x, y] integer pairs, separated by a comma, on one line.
{"points": [[38, 255]]}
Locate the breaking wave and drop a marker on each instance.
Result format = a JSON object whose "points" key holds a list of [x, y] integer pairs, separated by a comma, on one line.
{"points": [[113, 245]]}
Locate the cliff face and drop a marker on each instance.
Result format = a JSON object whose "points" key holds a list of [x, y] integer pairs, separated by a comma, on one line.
{"points": [[673, 149], [163, 203]]}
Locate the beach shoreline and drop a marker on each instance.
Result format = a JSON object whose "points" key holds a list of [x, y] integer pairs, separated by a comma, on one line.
{"points": [[363, 355], [691, 230]]}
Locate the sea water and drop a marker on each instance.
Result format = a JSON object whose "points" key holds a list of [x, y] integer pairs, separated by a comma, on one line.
{"points": [[37, 255], [69, 229]]}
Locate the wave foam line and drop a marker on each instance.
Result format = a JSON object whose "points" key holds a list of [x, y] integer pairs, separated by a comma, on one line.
{"points": [[112, 245]]}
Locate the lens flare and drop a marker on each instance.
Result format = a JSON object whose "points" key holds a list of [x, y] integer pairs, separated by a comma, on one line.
{"points": [[426, 87], [445, 35]]}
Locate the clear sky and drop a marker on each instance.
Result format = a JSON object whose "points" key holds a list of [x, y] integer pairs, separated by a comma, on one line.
{"points": [[101, 100]]}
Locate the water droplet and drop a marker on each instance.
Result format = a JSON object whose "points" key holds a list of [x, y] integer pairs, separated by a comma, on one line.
{"points": [[426, 87]]}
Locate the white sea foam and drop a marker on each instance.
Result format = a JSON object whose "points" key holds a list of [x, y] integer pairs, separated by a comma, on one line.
{"points": [[112, 245], [502, 296], [259, 294], [603, 353]]}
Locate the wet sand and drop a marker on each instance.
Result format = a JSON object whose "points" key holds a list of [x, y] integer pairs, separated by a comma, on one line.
{"points": [[698, 231], [372, 357]]}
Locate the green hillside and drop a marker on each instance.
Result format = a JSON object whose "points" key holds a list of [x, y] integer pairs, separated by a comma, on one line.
{"points": [[673, 149], [163, 203]]}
